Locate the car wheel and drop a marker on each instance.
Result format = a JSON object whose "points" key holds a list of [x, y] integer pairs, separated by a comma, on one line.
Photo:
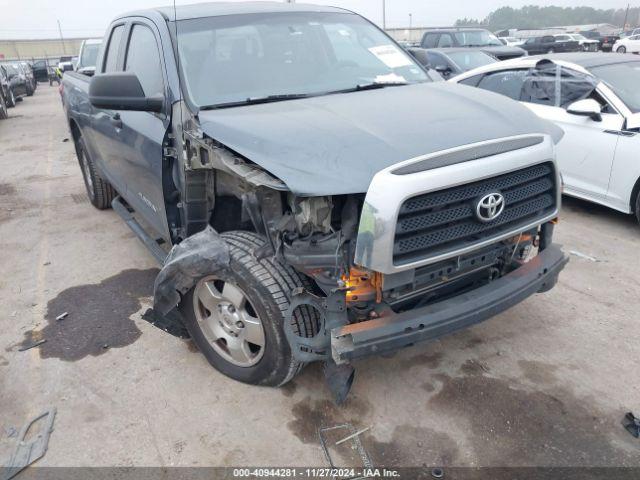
{"points": [[236, 318], [3, 108], [11, 101], [622, 50], [99, 191], [638, 206]]}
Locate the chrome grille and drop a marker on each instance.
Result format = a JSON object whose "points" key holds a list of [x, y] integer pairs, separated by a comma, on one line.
{"points": [[442, 221]]}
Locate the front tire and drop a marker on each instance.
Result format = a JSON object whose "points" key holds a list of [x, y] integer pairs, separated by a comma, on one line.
{"points": [[11, 101], [99, 191], [236, 318], [622, 50], [637, 211], [3, 108]]}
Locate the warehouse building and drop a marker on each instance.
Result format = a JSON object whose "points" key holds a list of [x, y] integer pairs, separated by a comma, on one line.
{"points": [[38, 49]]}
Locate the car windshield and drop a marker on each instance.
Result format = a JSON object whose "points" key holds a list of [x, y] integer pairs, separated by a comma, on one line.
{"points": [[477, 38], [89, 55], [471, 60], [623, 79], [237, 58]]}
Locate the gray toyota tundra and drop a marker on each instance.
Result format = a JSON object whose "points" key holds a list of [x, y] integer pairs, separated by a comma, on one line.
{"points": [[310, 194]]}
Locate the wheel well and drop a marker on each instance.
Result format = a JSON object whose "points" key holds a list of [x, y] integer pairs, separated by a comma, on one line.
{"points": [[634, 195], [75, 130]]}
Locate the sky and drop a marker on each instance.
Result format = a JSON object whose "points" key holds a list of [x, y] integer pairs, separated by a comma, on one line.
{"points": [[79, 18]]}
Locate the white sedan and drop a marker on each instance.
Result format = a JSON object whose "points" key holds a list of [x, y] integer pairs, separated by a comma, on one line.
{"points": [[628, 45], [595, 99]]}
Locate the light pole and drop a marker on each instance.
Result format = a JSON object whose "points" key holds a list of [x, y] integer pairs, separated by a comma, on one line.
{"points": [[64, 48], [384, 15], [410, 21]]}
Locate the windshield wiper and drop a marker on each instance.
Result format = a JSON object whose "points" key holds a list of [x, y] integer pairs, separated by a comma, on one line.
{"points": [[371, 86], [295, 96], [257, 100]]}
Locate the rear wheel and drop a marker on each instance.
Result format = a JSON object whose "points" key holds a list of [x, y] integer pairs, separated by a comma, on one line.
{"points": [[99, 191], [638, 206], [622, 50], [236, 318]]}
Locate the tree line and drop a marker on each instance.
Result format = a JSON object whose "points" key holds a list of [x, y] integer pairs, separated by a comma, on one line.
{"points": [[531, 17]]}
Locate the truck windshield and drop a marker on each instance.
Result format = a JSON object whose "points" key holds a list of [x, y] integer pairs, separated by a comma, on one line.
{"points": [[232, 59], [477, 38]]}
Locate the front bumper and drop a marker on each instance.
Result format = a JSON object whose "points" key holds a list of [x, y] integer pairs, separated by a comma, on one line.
{"points": [[394, 331]]}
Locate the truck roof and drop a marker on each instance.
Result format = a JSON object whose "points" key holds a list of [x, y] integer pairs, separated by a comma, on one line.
{"points": [[200, 10]]}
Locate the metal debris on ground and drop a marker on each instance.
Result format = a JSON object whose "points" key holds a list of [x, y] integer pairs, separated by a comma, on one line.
{"points": [[351, 451], [32, 345], [62, 316], [28, 452], [359, 432], [584, 256], [65, 140], [632, 424]]}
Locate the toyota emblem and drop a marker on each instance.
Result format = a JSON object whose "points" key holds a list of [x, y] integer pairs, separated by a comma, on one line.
{"points": [[489, 207]]}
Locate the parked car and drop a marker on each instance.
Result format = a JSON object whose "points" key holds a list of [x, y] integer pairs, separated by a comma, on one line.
{"points": [[628, 45], [4, 95], [469, 37], [606, 41], [5, 84], [598, 107], [324, 199], [17, 81], [28, 73], [88, 56], [66, 63], [40, 70], [586, 44], [511, 41], [549, 44], [449, 62]]}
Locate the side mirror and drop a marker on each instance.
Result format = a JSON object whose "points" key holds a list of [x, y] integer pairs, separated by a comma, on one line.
{"points": [[443, 70], [122, 91], [586, 108]]}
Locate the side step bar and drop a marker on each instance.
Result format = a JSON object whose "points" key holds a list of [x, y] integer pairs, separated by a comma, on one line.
{"points": [[127, 215]]}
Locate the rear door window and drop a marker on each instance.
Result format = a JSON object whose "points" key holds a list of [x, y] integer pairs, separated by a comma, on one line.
{"points": [[111, 59]]}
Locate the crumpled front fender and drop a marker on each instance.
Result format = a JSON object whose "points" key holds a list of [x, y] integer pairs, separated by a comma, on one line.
{"points": [[203, 253]]}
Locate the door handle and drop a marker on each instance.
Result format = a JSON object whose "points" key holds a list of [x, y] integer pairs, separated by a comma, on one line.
{"points": [[621, 133], [116, 121]]}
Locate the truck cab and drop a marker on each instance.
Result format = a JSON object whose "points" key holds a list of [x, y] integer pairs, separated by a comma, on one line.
{"points": [[292, 169]]}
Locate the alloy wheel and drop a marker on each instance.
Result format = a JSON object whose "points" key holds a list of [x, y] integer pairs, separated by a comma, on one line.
{"points": [[229, 322]]}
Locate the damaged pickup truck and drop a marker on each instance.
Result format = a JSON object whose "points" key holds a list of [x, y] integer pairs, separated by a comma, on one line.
{"points": [[323, 200]]}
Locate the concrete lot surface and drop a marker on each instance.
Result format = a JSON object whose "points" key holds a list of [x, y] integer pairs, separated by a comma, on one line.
{"points": [[544, 384]]}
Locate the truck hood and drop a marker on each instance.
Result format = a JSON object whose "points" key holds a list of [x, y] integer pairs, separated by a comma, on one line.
{"points": [[335, 144]]}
